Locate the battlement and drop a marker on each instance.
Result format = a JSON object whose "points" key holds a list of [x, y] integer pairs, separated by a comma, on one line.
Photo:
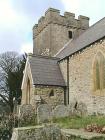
{"points": [[56, 11], [68, 19], [54, 30]]}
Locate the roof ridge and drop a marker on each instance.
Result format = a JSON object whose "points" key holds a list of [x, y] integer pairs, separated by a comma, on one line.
{"points": [[44, 57], [82, 36], [63, 47], [90, 28]]}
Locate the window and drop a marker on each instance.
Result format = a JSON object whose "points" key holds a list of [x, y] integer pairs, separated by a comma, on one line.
{"points": [[51, 93], [99, 72], [70, 34], [28, 92]]}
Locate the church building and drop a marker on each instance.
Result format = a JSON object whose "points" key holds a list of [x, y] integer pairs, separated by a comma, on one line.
{"points": [[67, 64]]}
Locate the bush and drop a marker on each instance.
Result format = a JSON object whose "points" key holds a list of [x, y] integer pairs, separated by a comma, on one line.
{"points": [[27, 120], [7, 123]]}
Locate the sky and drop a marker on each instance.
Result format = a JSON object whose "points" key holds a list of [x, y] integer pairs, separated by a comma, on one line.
{"points": [[17, 18]]}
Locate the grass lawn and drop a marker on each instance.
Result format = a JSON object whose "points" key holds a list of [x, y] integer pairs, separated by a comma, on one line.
{"points": [[77, 122]]}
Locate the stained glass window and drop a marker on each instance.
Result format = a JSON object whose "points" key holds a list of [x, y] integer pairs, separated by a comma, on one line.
{"points": [[99, 72]]}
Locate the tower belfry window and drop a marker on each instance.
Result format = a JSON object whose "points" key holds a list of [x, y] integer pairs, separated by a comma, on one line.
{"points": [[70, 34]]}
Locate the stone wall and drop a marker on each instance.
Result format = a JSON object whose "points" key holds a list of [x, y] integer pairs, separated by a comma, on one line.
{"points": [[81, 83], [51, 32], [63, 67], [52, 132], [39, 93], [42, 41], [72, 134], [48, 132], [26, 96], [43, 92]]}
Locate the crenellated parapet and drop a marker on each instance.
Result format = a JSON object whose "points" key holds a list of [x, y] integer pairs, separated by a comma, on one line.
{"points": [[68, 19]]}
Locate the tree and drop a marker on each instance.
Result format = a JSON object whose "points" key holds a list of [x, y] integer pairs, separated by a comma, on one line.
{"points": [[11, 74]]}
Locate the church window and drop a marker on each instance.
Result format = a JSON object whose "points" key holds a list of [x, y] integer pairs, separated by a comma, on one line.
{"points": [[28, 92], [70, 34], [75, 106], [99, 72], [51, 93]]}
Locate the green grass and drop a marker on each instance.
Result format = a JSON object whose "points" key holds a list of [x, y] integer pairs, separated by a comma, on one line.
{"points": [[77, 122]]}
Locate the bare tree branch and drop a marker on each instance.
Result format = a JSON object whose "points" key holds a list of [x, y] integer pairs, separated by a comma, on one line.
{"points": [[11, 73]]}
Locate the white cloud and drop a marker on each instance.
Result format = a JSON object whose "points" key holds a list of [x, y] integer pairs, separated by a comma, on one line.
{"points": [[91, 8], [15, 28], [10, 18], [71, 5], [27, 48], [17, 18], [7, 14]]}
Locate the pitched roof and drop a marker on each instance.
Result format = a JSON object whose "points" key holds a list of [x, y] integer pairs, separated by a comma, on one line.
{"points": [[46, 71], [91, 35]]}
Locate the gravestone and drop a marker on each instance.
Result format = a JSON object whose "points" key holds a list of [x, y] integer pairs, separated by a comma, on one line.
{"points": [[43, 113], [27, 115], [77, 109], [72, 108], [82, 108], [26, 110], [60, 111]]}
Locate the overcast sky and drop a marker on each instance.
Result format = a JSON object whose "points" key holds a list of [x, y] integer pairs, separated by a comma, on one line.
{"points": [[17, 18]]}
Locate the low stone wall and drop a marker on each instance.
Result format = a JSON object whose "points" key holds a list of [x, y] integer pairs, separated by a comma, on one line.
{"points": [[43, 132], [46, 98], [72, 134], [52, 132]]}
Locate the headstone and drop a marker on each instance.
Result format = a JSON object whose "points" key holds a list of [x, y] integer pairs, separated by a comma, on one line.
{"points": [[60, 111], [51, 133], [77, 109], [82, 108], [72, 108], [15, 106], [27, 116], [43, 113], [26, 110]]}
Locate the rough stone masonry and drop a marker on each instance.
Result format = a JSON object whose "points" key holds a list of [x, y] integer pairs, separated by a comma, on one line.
{"points": [[71, 65]]}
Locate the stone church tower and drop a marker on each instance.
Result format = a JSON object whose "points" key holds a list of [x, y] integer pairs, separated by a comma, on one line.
{"points": [[53, 31], [75, 70]]}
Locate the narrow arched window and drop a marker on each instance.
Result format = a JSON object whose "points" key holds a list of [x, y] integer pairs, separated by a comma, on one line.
{"points": [[28, 92], [99, 72], [70, 34], [51, 93]]}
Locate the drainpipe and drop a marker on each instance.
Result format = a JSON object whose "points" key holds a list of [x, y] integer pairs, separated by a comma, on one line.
{"points": [[67, 80]]}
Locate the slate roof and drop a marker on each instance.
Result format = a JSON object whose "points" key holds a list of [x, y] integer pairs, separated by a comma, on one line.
{"points": [[91, 35], [46, 71]]}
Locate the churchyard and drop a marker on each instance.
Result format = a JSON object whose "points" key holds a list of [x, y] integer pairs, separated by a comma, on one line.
{"points": [[58, 92], [61, 123]]}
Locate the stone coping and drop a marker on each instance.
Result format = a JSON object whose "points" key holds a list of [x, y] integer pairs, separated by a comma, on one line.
{"points": [[29, 127], [35, 127], [82, 134]]}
